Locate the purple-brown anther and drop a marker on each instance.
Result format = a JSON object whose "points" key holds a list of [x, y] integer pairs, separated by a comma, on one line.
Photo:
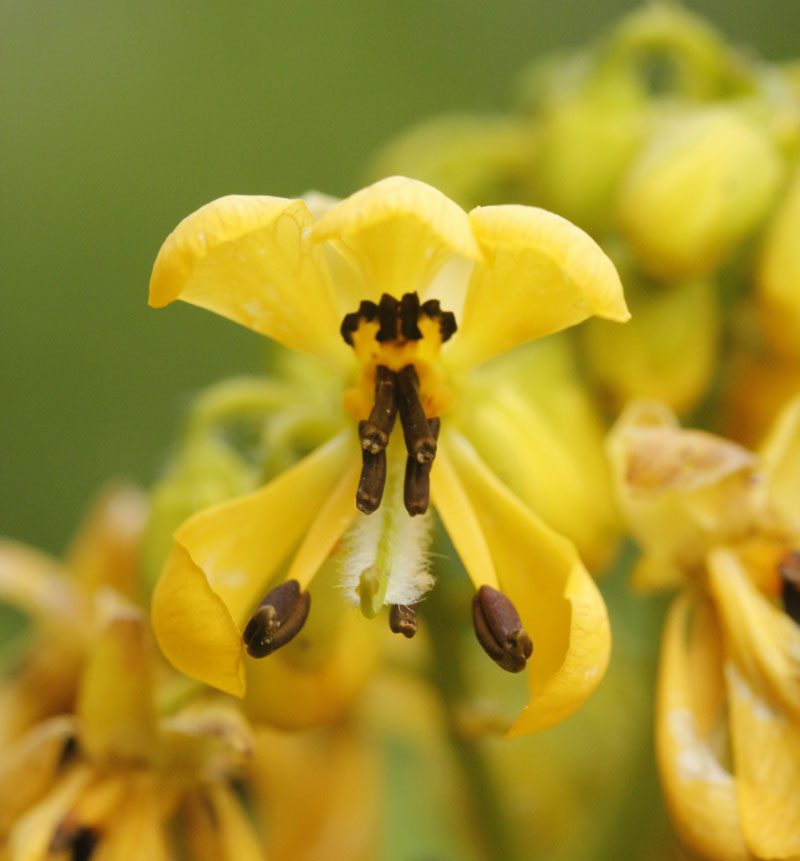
{"points": [[417, 487], [372, 481], [420, 442], [278, 619], [789, 569], [374, 433], [499, 630], [403, 620]]}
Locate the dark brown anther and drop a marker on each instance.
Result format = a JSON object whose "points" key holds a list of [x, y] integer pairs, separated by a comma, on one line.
{"points": [[278, 619], [417, 487], [789, 569], [420, 443], [367, 311], [403, 620], [376, 430], [499, 630], [372, 481], [446, 319], [409, 317], [388, 315]]}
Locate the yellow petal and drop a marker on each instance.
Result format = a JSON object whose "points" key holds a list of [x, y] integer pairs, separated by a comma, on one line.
{"points": [[224, 558], [460, 520], [30, 837], [397, 233], [36, 584], [217, 828], [138, 822], [250, 259], [331, 522], [29, 766], [115, 701], [700, 792], [781, 456], [557, 600], [540, 275], [762, 645]]}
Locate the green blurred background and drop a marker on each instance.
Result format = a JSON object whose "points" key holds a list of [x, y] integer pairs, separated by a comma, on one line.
{"points": [[119, 118]]}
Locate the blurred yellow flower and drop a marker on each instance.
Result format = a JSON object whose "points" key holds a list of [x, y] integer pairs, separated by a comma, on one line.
{"points": [[404, 294], [725, 524], [99, 749]]}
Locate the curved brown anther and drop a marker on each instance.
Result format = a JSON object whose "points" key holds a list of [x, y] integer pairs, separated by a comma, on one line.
{"points": [[417, 487], [789, 569], [499, 630], [374, 433], [420, 442], [403, 620], [278, 619], [372, 481]]}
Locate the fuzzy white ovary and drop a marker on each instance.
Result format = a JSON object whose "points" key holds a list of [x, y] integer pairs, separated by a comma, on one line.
{"points": [[397, 544]]}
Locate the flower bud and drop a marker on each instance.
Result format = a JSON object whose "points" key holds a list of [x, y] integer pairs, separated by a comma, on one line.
{"points": [[668, 349], [778, 275], [703, 183]]}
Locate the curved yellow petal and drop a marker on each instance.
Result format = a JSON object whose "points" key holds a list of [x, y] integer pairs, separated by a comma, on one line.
{"points": [[541, 274], [331, 522], [558, 602], [250, 259], [36, 583], [700, 792], [762, 645], [223, 559], [781, 456], [460, 520], [28, 767], [397, 233]]}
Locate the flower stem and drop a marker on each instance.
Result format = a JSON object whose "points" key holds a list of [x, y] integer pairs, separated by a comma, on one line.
{"points": [[447, 673]]}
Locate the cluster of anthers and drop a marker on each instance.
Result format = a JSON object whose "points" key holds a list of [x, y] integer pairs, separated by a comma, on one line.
{"points": [[396, 342]]}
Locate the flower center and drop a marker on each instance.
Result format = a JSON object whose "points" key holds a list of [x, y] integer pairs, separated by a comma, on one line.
{"points": [[397, 343]]}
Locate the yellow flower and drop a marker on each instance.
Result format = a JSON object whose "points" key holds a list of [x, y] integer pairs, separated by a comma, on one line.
{"points": [[725, 523], [105, 752], [374, 287]]}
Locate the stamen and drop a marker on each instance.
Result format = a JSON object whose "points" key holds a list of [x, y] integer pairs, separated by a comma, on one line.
{"points": [[447, 319], [376, 430], [499, 630], [373, 479], [420, 443], [789, 569], [278, 619], [409, 317], [403, 620], [388, 314], [417, 487], [367, 311]]}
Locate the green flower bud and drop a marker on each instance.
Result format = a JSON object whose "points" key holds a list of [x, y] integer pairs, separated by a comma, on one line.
{"points": [[667, 350], [778, 275], [476, 160], [704, 182]]}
